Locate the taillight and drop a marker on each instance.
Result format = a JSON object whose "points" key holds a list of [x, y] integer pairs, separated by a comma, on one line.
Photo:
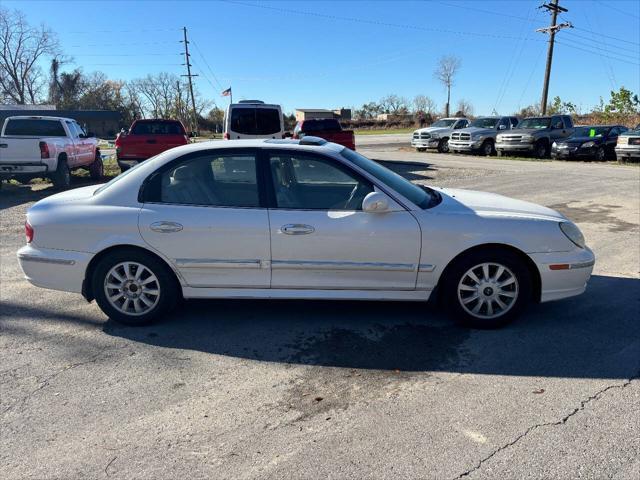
{"points": [[28, 232], [226, 136], [44, 150]]}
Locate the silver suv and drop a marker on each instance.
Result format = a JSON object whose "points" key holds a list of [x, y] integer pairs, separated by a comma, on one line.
{"points": [[437, 134], [481, 135]]}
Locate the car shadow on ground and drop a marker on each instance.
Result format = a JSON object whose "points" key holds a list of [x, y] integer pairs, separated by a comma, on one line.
{"points": [[596, 335]]}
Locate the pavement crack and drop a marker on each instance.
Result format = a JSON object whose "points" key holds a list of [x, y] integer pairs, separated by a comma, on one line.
{"points": [[45, 383], [562, 421]]}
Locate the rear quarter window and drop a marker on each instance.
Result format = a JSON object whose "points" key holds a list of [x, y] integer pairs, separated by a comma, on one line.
{"points": [[35, 128]]}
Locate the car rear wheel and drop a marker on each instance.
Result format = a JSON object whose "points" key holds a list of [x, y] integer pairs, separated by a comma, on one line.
{"points": [[443, 145], [487, 289], [96, 169], [134, 288], [61, 178]]}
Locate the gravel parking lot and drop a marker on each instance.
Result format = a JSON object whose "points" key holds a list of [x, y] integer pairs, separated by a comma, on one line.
{"points": [[257, 389]]}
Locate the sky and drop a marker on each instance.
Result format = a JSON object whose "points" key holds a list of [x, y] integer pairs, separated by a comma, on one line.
{"points": [[331, 54]]}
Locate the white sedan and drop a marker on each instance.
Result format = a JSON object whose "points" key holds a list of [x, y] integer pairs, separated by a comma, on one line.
{"points": [[296, 219]]}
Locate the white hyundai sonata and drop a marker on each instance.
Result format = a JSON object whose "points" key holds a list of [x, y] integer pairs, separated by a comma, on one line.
{"points": [[300, 219]]}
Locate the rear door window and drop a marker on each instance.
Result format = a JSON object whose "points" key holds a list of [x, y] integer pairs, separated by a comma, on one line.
{"points": [[267, 121], [255, 121], [35, 128]]}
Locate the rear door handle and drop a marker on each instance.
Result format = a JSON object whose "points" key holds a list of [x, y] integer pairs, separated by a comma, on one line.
{"points": [[165, 227], [297, 229]]}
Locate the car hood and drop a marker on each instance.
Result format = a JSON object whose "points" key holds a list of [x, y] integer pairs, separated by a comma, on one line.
{"points": [[66, 197], [432, 129], [521, 131], [580, 140], [491, 204], [478, 130]]}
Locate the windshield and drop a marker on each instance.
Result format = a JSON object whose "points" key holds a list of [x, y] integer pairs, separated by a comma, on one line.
{"points": [[535, 123], [422, 197], [487, 122], [590, 131], [443, 123]]}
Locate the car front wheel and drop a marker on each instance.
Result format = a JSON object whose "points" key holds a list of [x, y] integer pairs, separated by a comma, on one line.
{"points": [[134, 288], [443, 145], [487, 289]]}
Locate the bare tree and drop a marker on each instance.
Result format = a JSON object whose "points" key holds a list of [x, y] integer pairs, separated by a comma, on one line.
{"points": [[422, 103], [465, 108], [393, 104], [21, 47], [445, 72]]}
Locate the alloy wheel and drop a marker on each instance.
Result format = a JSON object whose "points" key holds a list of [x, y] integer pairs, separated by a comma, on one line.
{"points": [[131, 288], [488, 290]]}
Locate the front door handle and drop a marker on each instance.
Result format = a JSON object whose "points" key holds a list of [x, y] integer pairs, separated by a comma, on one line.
{"points": [[297, 229], [165, 227]]}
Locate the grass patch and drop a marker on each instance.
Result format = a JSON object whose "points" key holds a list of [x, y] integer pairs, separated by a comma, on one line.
{"points": [[389, 131]]}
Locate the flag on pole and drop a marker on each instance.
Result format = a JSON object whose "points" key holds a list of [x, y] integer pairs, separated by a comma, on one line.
{"points": [[226, 93]]}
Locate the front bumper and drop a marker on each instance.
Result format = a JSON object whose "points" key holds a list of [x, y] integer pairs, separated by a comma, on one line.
{"points": [[563, 274], [55, 269], [573, 152], [464, 146], [426, 143], [628, 151], [515, 147]]}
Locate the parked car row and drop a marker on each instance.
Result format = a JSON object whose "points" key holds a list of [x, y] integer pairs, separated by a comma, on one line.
{"points": [[541, 137]]}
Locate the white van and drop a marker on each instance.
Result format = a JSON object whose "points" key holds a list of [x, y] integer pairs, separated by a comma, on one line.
{"points": [[253, 119]]}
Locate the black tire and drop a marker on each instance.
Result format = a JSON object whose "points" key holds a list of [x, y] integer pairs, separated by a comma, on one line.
{"points": [[457, 272], [168, 291], [96, 169], [601, 154], [540, 150], [487, 148], [61, 178], [420, 149], [443, 145]]}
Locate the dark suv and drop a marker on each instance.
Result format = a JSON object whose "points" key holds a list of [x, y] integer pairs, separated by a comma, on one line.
{"points": [[535, 135]]}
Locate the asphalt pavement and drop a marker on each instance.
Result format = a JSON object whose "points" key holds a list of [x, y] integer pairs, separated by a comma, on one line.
{"points": [[300, 389]]}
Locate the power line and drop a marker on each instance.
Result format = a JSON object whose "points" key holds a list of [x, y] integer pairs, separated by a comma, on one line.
{"points": [[625, 12], [597, 53], [593, 40], [554, 9], [207, 64], [189, 75], [607, 36], [369, 22]]}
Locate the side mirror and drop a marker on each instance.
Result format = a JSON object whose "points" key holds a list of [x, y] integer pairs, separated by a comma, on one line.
{"points": [[502, 127], [288, 135], [375, 202]]}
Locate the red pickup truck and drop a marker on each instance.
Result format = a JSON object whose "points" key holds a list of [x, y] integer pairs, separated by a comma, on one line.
{"points": [[327, 128], [147, 138]]}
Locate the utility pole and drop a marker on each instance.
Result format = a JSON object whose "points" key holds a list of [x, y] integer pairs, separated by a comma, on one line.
{"points": [[554, 9], [189, 76]]}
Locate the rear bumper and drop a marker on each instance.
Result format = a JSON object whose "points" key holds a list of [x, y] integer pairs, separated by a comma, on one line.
{"points": [[563, 274], [11, 170], [54, 269]]}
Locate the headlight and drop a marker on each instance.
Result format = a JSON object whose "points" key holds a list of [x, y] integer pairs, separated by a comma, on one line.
{"points": [[435, 135], [477, 137], [573, 233], [588, 145], [554, 145], [527, 138]]}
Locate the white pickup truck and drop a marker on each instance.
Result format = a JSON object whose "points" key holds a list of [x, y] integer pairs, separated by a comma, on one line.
{"points": [[47, 147]]}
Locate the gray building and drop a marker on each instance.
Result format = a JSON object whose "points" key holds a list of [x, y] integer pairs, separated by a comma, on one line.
{"points": [[102, 123]]}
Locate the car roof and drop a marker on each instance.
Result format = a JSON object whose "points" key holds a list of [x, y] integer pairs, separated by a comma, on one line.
{"points": [[257, 143], [38, 117]]}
